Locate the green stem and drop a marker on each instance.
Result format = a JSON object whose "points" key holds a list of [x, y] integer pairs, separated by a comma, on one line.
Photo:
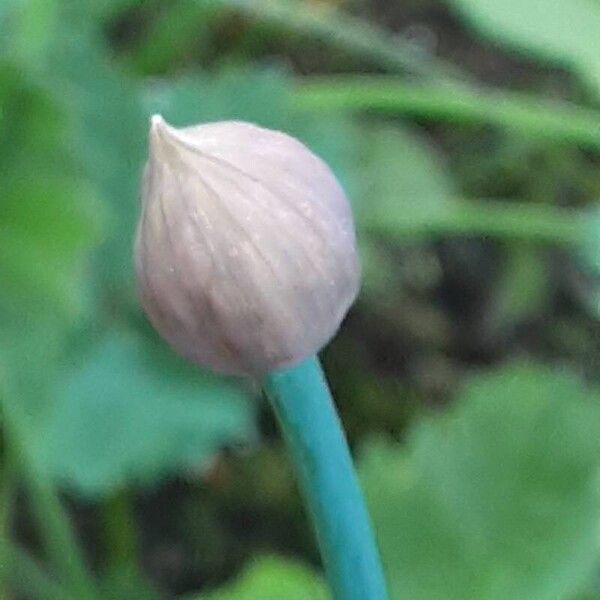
{"points": [[312, 430], [456, 103], [514, 221], [120, 537], [500, 219], [55, 528]]}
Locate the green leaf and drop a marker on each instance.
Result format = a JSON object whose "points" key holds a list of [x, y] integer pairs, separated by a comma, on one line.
{"points": [[405, 186], [271, 578], [566, 32], [48, 215], [45, 235], [50, 221], [27, 30], [108, 136], [496, 499], [131, 412]]}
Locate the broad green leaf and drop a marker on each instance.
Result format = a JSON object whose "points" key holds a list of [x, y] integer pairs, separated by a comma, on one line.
{"points": [[405, 186], [108, 136], [49, 217], [27, 29], [498, 498], [566, 32], [50, 221], [130, 412], [45, 235], [271, 578]]}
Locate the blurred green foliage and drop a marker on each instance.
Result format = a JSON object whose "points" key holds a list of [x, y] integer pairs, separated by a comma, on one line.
{"points": [[538, 26], [477, 211], [180, 416], [271, 579], [498, 497]]}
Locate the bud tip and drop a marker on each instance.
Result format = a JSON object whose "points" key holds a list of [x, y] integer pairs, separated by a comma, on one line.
{"points": [[156, 121]]}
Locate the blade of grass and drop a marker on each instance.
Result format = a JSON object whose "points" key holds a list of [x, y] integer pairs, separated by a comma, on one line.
{"points": [[18, 570], [500, 219], [119, 531], [317, 445], [515, 220], [30, 578], [328, 24], [55, 528], [525, 114], [7, 494]]}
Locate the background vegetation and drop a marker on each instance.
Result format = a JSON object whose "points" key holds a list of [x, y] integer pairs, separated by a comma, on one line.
{"points": [[467, 133]]}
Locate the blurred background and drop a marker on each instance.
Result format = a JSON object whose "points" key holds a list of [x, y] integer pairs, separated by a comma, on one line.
{"points": [[467, 135]]}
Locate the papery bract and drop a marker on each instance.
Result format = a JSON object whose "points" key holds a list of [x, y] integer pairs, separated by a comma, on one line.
{"points": [[245, 253]]}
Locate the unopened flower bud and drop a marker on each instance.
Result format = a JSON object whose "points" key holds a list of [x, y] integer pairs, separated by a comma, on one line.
{"points": [[245, 253]]}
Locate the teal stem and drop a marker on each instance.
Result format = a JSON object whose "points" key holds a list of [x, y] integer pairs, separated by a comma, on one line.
{"points": [[316, 442]]}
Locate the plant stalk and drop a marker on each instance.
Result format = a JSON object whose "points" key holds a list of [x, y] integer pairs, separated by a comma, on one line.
{"points": [[56, 530], [316, 442], [496, 219], [119, 532], [525, 114]]}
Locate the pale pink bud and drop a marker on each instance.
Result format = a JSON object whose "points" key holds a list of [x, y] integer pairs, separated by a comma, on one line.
{"points": [[245, 253]]}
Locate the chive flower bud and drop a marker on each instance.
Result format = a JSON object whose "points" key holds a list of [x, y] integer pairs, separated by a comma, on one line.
{"points": [[245, 252]]}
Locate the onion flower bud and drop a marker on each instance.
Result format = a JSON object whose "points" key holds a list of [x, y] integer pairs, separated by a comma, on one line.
{"points": [[245, 252]]}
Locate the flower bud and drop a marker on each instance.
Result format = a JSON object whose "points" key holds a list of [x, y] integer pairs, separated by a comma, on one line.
{"points": [[245, 253]]}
